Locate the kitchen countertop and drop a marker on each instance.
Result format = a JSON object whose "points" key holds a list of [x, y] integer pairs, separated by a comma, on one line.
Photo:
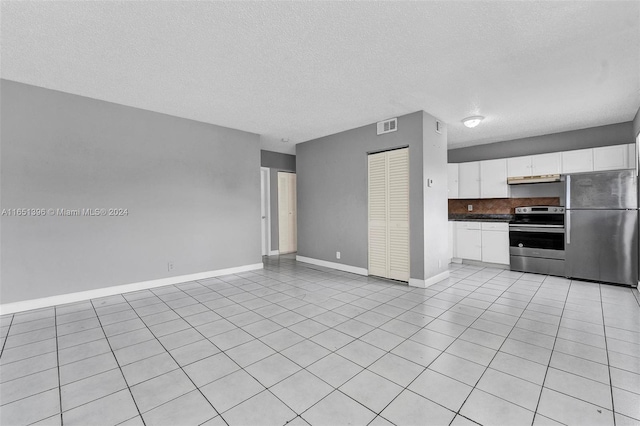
{"points": [[481, 217]]}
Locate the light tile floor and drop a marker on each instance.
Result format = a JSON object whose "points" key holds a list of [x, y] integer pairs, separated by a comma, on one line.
{"points": [[309, 345]]}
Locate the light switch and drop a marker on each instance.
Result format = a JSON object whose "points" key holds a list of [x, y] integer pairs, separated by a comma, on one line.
{"points": [[429, 182]]}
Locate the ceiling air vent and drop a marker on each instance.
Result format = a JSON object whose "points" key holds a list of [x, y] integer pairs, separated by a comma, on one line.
{"points": [[387, 126]]}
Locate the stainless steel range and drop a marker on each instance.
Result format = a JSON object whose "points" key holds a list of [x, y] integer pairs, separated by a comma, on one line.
{"points": [[536, 240]]}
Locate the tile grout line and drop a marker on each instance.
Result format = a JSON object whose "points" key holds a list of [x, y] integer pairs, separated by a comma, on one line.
{"points": [[119, 367], [177, 363], [544, 380], [405, 339], [406, 388], [482, 283], [55, 324], [502, 344], [606, 348], [315, 287], [7, 336]]}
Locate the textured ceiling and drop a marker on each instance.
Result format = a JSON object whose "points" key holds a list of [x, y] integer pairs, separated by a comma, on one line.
{"points": [[307, 69]]}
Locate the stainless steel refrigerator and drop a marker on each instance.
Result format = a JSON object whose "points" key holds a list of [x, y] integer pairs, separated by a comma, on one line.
{"points": [[601, 221]]}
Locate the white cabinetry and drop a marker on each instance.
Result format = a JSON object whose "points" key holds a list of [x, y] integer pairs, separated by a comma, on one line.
{"points": [[451, 253], [534, 165], [469, 180], [493, 179], [610, 157], [546, 164], [483, 241], [452, 182], [487, 179], [495, 242], [468, 240], [577, 161], [519, 166]]}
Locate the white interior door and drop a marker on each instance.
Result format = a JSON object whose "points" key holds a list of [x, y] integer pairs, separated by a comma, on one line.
{"points": [[264, 210], [389, 214], [287, 213]]}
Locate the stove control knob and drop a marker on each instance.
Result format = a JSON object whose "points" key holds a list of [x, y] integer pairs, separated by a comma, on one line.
{"points": [[555, 210]]}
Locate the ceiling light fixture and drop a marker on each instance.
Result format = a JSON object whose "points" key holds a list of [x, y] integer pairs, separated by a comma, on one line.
{"points": [[285, 140], [472, 121]]}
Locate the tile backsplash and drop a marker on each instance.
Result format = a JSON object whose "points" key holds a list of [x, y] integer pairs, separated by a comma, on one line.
{"points": [[498, 205]]}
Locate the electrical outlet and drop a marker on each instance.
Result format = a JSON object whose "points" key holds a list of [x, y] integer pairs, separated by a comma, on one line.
{"points": [[337, 255], [470, 207], [170, 266]]}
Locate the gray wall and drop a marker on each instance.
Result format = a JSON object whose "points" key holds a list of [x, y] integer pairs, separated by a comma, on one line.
{"points": [[332, 192], [636, 124], [614, 134], [192, 191], [276, 162]]}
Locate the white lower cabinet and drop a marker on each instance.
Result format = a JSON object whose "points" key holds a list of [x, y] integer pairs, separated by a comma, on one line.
{"points": [[451, 253], [468, 240], [495, 242], [482, 241]]}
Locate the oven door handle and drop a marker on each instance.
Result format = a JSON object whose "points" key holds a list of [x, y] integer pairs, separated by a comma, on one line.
{"points": [[539, 230], [568, 227]]}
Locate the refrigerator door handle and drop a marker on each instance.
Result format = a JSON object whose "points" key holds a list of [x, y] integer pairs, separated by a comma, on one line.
{"points": [[568, 225], [567, 192]]}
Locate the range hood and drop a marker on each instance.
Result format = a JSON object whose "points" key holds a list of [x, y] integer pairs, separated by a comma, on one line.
{"points": [[533, 179]]}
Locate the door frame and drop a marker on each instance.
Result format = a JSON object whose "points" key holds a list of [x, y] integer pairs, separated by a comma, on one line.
{"points": [[265, 205]]}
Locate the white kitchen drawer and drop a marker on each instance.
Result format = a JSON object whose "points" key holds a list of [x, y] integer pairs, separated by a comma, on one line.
{"points": [[468, 225], [495, 226]]}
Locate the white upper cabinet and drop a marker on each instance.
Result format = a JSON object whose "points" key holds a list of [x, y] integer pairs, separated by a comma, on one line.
{"points": [[580, 160], [610, 157], [519, 166], [546, 164], [469, 180], [452, 181], [493, 179], [534, 165], [488, 179]]}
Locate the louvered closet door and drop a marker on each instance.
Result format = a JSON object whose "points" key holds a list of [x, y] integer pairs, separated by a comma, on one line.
{"points": [[378, 238], [398, 201], [389, 214]]}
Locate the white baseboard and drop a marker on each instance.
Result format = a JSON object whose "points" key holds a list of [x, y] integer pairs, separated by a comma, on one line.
{"points": [[456, 260], [414, 282], [26, 305], [274, 252], [333, 265]]}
